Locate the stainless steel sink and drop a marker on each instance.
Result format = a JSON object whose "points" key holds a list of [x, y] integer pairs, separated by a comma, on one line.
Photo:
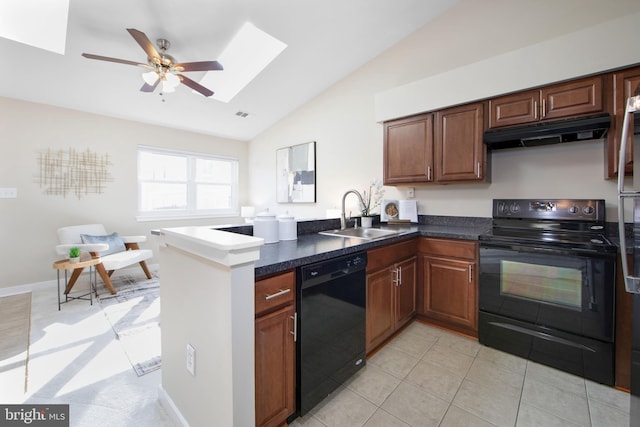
{"points": [[360, 233]]}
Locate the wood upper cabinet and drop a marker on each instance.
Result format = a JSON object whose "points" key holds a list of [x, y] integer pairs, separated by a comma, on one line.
{"points": [[625, 83], [460, 154], [275, 350], [449, 280], [391, 290], [514, 109], [408, 150], [575, 98]]}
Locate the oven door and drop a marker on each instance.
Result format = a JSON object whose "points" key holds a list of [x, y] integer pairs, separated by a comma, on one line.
{"points": [[564, 289]]}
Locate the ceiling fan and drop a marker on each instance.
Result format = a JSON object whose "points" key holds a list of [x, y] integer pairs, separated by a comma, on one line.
{"points": [[163, 67]]}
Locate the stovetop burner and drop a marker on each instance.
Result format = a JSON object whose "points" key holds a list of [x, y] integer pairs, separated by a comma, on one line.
{"points": [[570, 223]]}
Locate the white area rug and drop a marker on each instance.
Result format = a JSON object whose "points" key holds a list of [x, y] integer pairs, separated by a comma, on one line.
{"points": [[134, 314]]}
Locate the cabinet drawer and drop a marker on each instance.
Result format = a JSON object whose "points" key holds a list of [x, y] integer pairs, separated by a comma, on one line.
{"points": [[275, 292], [387, 255], [448, 248]]}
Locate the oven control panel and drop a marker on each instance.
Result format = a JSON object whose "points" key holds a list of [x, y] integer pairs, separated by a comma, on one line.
{"points": [[557, 209]]}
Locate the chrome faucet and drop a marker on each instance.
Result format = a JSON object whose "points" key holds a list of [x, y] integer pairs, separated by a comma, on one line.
{"points": [[343, 219]]}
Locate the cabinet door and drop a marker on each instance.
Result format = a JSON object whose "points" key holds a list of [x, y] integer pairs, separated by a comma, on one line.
{"points": [[514, 109], [459, 151], [380, 307], [275, 367], [450, 291], [575, 98], [408, 150], [626, 83], [406, 278]]}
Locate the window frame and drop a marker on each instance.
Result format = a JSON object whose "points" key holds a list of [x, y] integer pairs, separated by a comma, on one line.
{"points": [[191, 211]]}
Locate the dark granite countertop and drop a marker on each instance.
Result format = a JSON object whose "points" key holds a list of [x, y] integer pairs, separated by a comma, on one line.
{"points": [[313, 247]]}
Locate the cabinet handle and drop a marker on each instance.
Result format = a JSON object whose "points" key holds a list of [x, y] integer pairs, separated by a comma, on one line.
{"points": [[428, 173], [295, 326], [400, 275], [535, 110], [544, 109], [470, 275], [395, 277], [478, 170], [277, 294]]}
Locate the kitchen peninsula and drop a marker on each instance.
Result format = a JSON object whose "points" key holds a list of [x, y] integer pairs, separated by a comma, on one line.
{"points": [[208, 303]]}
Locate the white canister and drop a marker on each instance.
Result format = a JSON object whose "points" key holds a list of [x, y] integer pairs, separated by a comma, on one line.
{"points": [[265, 225], [287, 227]]}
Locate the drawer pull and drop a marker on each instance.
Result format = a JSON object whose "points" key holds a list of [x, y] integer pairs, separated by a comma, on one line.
{"points": [[277, 294]]}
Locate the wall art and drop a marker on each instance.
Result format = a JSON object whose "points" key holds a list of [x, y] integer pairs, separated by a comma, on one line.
{"points": [[71, 172]]}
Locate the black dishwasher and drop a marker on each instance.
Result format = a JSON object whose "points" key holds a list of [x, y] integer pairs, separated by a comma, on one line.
{"points": [[331, 325]]}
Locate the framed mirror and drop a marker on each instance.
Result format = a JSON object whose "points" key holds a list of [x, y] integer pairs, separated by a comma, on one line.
{"points": [[296, 173]]}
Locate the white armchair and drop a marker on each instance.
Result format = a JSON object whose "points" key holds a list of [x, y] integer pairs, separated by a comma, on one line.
{"points": [[115, 251]]}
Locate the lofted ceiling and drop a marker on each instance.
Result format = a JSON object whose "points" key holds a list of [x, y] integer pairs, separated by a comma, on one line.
{"points": [[327, 40]]}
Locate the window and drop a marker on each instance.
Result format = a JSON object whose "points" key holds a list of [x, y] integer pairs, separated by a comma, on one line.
{"points": [[178, 184]]}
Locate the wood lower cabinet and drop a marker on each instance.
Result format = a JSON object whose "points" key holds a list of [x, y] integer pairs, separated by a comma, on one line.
{"points": [[575, 98], [391, 290], [275, 350], [405, 287], [449, 279]]}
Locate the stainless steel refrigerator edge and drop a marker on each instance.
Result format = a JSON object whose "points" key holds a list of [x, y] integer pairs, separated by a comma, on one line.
{"points": [[632, 282]]}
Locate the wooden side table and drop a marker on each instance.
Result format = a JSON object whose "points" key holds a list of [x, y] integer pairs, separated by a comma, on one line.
{"points": [[76, 268]]}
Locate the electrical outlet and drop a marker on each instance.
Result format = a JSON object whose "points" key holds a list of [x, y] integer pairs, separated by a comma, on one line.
{"points": [[191, 359], [411, 193]]}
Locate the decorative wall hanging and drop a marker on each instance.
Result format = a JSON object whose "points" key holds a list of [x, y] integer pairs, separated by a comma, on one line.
{"points": [[64, 172], [296, 174]]}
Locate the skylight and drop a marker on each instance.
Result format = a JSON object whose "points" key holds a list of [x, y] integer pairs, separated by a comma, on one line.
{"points": [[250, 51], [38, 23]]}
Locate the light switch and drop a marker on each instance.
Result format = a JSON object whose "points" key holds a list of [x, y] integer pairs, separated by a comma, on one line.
{"points": [[8, 193]]}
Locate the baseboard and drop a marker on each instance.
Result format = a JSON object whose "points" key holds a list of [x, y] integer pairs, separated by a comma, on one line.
{"points": [[172, 410], [31, 287]]}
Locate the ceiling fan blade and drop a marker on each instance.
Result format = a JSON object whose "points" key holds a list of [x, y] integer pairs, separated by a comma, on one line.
{"points": [[150, 88], [144, 42], [194, 85], [120, 61], [199, 66]]}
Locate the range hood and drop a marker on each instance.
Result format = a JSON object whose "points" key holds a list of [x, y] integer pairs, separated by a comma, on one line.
{"points": [[545, 133]]}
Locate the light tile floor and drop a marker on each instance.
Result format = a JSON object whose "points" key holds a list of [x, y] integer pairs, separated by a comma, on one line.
{"points": [[429, 377], [424, 377]]}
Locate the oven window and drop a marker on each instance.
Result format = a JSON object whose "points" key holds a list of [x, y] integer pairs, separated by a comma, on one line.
{"points": [[545, 283]]}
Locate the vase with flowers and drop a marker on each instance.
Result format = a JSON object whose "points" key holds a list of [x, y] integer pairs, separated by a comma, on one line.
{"points": [[371, 199]]}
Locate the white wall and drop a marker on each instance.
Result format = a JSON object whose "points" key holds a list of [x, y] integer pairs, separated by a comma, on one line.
{"points": [[349, 141], [29, 222]]}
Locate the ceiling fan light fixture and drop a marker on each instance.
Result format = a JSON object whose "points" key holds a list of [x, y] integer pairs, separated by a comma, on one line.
{"points": [[167, 88], [171, 80], [150, 77]]}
